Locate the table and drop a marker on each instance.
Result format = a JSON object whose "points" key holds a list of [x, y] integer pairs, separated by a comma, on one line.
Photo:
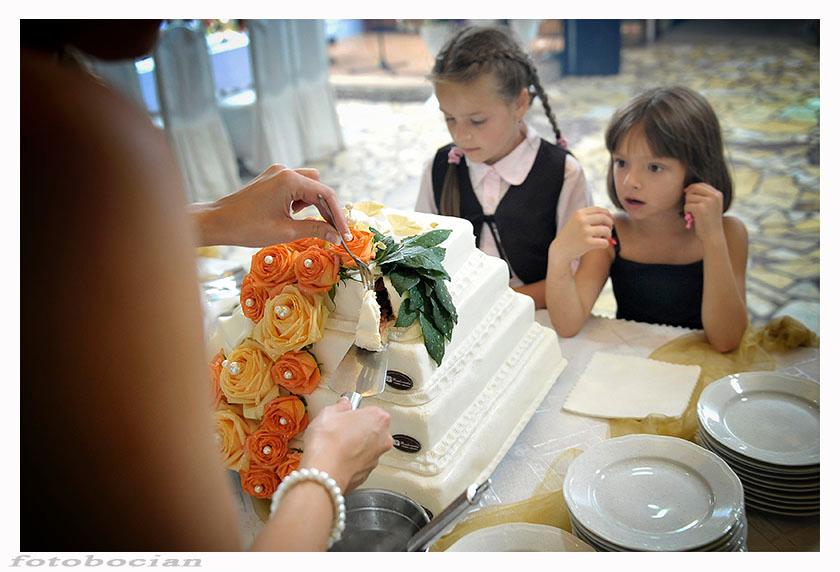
{"points": [[540, 454], [533, 458]]}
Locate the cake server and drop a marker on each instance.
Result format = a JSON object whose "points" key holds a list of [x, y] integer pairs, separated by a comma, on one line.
{"points": [[360, 374]]}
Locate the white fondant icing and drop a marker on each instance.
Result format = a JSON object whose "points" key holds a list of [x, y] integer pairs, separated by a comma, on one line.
{"points": [[478, 441]]}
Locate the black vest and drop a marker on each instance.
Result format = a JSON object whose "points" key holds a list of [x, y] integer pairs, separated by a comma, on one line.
{"points": [[525, 222]]}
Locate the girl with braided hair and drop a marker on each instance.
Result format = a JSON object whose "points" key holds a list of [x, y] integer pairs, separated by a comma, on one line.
{"points": [[515, 188]]}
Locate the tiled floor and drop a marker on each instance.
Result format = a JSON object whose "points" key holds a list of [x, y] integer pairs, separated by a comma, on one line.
{"points": [[764, 87]]}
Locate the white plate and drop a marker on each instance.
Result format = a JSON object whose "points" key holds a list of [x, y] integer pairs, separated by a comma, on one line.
{"points": [[738, 465], [765, 416], [729, 542], [776, 509], [647, 492], [520, 537], [798, 472]]}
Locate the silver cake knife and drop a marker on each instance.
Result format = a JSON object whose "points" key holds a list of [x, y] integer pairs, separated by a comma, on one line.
{"points": [[360, 374]]}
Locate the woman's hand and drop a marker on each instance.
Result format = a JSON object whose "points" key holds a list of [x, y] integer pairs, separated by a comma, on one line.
{"points": [[705, 204], [347, 444], [261, 212], [587, 229]]}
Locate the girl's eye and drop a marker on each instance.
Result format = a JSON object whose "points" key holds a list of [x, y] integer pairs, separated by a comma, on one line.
{"points": [[656, 168], [449, 119], [478, 122], [619, 163]]}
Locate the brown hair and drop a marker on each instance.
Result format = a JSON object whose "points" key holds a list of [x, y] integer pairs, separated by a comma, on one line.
{"points": [[678, 123], [471, 52]]}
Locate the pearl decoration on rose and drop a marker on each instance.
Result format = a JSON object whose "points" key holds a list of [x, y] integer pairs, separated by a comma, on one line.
{"points": [[282, 311], [283, 421], [268, 259], [249, 302], [308, 263], [233, 368], [258, 489], [266, 450], [225, 363], [288, 374]]}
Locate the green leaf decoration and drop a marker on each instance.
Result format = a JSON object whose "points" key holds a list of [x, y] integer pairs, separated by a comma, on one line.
{"points": [[407, 316], [445, 300], [415, 267], [415, 298], [441, 319], [403, 280], [428, 239], [433, 339]]}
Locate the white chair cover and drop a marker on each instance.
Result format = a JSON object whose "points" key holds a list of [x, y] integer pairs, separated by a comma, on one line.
{"points": [[278, 128], [192, 120], [322, 131]]}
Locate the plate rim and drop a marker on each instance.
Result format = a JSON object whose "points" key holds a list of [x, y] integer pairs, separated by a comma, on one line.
{"points": [[726, 438]]}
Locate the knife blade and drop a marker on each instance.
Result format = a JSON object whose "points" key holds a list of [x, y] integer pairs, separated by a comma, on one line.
{"points": [[361, 373]]}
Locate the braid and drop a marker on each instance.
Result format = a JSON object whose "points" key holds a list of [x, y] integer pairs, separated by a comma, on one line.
{"points": [[450, 196], [522, 59], [544, 99]]}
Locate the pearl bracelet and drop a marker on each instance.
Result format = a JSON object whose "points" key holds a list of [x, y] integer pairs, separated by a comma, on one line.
{"points": [[322, 478]]}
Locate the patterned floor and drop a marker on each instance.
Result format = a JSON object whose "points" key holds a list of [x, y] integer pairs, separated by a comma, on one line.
{"points": [[765, 89]]}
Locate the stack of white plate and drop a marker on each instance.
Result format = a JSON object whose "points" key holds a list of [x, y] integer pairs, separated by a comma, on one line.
{"points": [[766, 426], [652, 493]]}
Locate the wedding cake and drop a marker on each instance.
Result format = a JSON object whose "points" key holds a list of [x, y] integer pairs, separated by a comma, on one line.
{"points": [[465, 374]]}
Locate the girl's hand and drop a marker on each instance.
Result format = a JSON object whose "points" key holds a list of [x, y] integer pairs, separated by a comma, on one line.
{"points": [[347, 444], [587, 229], [705, 203]]}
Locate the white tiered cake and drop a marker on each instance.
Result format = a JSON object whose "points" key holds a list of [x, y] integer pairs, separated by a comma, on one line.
{"points": [[452, 423]]}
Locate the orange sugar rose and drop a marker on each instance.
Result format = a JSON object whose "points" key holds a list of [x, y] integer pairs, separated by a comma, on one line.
{"points": [[291, 321], [285, 415], [361, 246], [273, 266], [296, 372], [252, 298], [260, 482], [266, 447], [316, 270], [289, 464], [247, 377], [302, 244], [215, 375]]}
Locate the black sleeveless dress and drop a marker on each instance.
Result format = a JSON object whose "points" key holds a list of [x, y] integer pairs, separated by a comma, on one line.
{"points": [[670, 294]]}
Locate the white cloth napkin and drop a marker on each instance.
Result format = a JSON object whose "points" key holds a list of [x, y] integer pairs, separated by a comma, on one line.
{"points": [[621, 386]]}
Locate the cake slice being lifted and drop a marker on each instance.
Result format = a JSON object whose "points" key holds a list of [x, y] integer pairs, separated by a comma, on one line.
{"points": [[375, 319]]}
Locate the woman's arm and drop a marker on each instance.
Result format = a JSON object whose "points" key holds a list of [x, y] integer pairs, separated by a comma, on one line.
{"points": [[571, 295], [724, 310], [260, 213], [344, 443]]}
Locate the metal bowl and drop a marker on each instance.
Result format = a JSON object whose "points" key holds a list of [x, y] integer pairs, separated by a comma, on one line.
{"points": [[379, 521]]}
